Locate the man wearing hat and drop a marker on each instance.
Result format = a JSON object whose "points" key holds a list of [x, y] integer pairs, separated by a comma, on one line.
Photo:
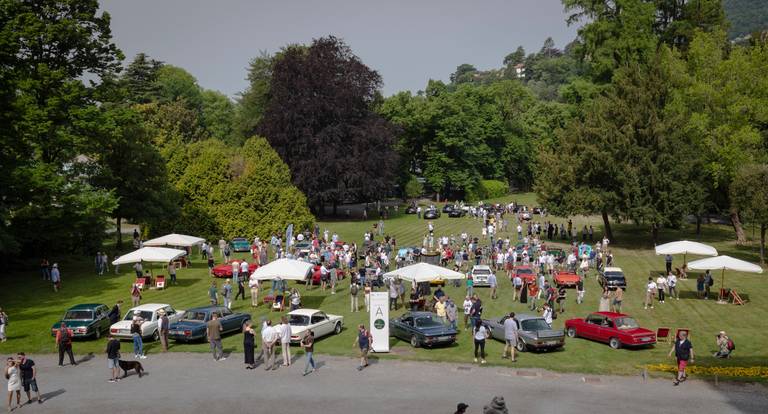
{"points": [[162, 328], [461, 408]]}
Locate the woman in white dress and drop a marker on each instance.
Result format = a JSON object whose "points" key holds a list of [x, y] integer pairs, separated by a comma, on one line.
{"points": [[605, 301], [14, 382]]}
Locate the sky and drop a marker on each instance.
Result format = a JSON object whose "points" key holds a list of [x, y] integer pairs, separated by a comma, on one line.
{"points": [[407, 42]]}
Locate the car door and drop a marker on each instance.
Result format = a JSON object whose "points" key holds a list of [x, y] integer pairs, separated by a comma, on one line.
{"points": [[225, 318], [172, 315], [319, 323], [403, 327], [606, 330], [589, 328], [102, 319]]}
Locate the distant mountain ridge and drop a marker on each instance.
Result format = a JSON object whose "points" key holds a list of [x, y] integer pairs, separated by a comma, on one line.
{"points": [[746, 16]]}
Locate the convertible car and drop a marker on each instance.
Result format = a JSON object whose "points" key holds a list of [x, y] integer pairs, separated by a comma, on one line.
{"points": [[422, 328], [321, 324], [533, 332], [86, 320], [192, 325], [567, 279], [616, 329], [224, 270], [240, 244]]}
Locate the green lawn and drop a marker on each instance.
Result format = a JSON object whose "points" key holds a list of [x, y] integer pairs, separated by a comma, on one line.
{"points": [[33, 307]]}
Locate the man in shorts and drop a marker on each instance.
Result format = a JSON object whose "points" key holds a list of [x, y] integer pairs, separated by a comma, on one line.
{"points": [[363, 340], [510, 337], [113, 358], [29, 377]]}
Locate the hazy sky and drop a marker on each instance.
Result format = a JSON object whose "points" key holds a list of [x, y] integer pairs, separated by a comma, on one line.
{"points": [[407, 42]]}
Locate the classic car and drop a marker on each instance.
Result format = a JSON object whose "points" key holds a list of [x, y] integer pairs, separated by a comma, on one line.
{"points": [[457, 212], [432, 214], [567, 279], [148, 312], [225, 269], [526, 215], [612, 277], [192, 324], [449, 207], [532, 333], [525, 272], [558, 253], [616, 329], [422, 329], [321, 324], [480, 275], [303, 247], [536, 210], [85, 320], [410, 209], [240, 244]]}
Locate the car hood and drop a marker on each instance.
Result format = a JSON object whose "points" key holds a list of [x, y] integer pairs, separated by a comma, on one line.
{"points": [[437, 331], [546, 333], [186, 325], [121, 325]]}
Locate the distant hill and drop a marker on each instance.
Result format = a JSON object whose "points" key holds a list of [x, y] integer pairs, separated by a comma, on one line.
{"points": [[746, 16]]}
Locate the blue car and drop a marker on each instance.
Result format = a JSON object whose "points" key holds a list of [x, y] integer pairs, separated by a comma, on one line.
{"points": [[192, 326], [422, 329]]}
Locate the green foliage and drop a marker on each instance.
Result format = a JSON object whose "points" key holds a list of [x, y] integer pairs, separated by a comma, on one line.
{"points": [[491, 189], [746, 16], [749, 192], [253, 102], [175, 84], [218, 114], [413, 188]]}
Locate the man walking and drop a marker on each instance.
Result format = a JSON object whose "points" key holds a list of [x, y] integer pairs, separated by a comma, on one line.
{"points": [[253, 283], [270, 336], [162, 326], [354, 291], [240, 287], [683, 350], [493, 284], [113, 358], [213, 294], [213, 331], [227, 294], [64, 343], [510, 337], [28, 377], [308, 343], [668, 262], [363, 341], [285, 340], [172, 272]]}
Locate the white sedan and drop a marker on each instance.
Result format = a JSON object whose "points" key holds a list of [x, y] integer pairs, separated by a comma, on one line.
{"points": [[148, 312], [302, 320]]}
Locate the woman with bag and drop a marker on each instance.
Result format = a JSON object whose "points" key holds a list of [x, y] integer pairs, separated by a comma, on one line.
{"points": [[480, 333]]}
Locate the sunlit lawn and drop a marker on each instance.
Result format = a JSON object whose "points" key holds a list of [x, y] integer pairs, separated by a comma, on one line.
{"points": [[33, 307]]}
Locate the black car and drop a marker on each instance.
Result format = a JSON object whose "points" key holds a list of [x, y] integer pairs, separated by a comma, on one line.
{"points": [[410, 209], [457, 212], [422, 329], [432, 214], [448, 208], [536, 210], [612, 277]]}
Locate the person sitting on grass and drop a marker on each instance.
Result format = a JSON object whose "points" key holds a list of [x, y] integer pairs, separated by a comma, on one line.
{"points": [[724, 345]]}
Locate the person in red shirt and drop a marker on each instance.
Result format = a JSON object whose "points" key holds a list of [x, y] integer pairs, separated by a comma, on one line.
{"points": [[64, 343]]}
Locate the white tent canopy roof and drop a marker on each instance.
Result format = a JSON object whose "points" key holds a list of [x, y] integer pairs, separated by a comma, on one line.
{"points": [[174, 239], [725, 263], [423, 272], [686, 247], [285, 269], [150, 254]]}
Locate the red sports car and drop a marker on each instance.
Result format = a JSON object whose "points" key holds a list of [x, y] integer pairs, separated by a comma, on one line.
{"points": [[225, 269], [526, 273], [567, 279], [617, 329]]}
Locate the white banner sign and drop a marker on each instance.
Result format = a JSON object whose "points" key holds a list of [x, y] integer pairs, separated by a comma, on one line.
{"points": [[379, 321]]}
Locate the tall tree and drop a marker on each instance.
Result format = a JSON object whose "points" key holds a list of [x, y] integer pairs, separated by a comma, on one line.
{"points": [[749, 192], [464, 73], [319, 118], [252, 103], [140, 80]]}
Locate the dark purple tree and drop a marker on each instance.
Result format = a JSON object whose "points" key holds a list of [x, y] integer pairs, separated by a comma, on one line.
{"points": [[320, 120]]}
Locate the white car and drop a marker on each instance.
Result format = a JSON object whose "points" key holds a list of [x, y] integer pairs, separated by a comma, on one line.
{"points": [[148, 312], [480, 275], [302, 320]]}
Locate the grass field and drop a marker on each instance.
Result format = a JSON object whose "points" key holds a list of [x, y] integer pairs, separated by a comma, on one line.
{"points": [[33, 307]]}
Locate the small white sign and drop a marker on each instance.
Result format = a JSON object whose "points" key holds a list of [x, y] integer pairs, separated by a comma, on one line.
{"points": [[379, 321]]}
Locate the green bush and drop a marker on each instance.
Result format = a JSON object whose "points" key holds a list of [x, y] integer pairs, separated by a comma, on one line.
{"points": [[487, 189]]}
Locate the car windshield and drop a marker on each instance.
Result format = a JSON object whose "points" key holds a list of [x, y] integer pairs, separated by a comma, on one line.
{"points": [[78, 314], [239, 241], [298, 320], [524, 271], [626, 323], [428, 321], [614, 276], [481, 272], [194, 316], [535, 325], [146, 315]]}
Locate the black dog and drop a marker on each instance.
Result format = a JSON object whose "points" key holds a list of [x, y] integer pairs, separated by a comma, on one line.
{"points": [[129, 365]]}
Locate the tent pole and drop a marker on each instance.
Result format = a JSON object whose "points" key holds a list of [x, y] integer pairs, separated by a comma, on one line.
{"points": [[722, 285]]}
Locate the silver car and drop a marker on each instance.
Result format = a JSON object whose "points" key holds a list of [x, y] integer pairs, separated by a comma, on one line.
{"points": [[533, 332]]}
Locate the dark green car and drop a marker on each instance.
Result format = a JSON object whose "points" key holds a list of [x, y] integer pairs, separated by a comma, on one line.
{"points": [[88, 320]]}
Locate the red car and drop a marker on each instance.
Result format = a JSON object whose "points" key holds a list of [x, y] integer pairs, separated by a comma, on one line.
{"points": [[526, 273], [617, 329], [225, 269], [567, 279]]}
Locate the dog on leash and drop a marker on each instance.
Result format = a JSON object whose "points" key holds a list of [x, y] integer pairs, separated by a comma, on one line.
{"points": [[129, 365]]}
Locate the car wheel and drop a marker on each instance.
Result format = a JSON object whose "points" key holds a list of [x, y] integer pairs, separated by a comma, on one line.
{"points": [[415, 341], [337, 329], [156, 335], [614, 343], [571, 332], [521, 347], [97, 335]]}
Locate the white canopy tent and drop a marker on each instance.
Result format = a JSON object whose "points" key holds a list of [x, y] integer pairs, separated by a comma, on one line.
{"points": [[423, 272], [283, 269], [724, 263], [174, 239], [684, 247], [150, 255]]}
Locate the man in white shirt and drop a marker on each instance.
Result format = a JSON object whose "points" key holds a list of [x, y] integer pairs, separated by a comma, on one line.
{"points": [[650, 289], [661, 285], [244, 268], [493, 284], [510, 337], [253, 283], [517, 282], [285, 340], [672, 284], [269, 338]]}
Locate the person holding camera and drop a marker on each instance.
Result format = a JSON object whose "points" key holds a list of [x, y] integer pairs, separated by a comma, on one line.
{"points": [[724, 346]]}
